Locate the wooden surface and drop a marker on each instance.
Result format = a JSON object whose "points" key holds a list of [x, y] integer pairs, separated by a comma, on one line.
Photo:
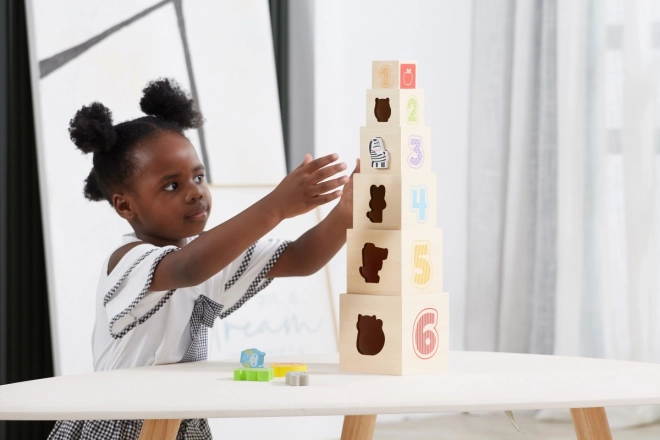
{"points": [[474, 382], [396, 275], [358, 428], [398, 314], [397, 143], [160, 429], [399, 99], [591, 424], [379, 81], [398, 214]]}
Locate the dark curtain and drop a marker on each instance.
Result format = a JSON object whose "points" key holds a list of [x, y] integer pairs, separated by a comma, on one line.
{"points": [[279, 20], [25, 345]]}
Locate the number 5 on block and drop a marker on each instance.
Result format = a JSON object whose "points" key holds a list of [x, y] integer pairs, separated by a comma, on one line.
{"points": [[422, 268]]}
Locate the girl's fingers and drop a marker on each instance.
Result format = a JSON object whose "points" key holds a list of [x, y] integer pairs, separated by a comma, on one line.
{"points": [[320, 163], [325, 172], [306, 160], [325, 198], [324, 187]]}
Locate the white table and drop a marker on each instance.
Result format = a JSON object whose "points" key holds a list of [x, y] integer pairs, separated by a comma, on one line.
{"points": [[165, 394]]}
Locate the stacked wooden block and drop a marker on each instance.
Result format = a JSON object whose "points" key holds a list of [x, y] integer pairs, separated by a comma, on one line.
{"points": [[394, 318]]}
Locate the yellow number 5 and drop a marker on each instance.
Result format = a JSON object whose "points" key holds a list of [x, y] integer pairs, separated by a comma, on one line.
{"points": [[422, 269]]}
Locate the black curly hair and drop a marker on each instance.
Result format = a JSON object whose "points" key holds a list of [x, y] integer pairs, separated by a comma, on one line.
{"points": [[168, 107]]}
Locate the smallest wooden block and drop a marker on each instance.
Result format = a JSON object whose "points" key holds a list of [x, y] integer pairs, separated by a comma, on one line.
{"points": [[394, 74], [297, 379], [254, 374], [280, 369]]}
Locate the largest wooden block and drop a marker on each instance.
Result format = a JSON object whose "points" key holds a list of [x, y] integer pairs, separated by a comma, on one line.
{"points": [[395, 107], [395, 335], [396, 263], [398, 150]]}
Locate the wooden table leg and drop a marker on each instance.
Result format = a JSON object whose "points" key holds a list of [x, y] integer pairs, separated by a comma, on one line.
{"points": [[358, 427], [591, 424], [160, 429]]}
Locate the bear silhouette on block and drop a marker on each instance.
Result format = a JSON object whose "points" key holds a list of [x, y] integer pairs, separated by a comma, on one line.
{"points": [[372, 262], [382, 110], [370, 337], [377, 203]]}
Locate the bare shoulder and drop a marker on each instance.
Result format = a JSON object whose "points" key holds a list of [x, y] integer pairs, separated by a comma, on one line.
{"points": [[117, 255]]}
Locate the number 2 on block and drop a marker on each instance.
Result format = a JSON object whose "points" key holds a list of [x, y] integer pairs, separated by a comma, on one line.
{"points": [[422, 269], [425, 335], [411, 106], [384, 74], [419, 203]]}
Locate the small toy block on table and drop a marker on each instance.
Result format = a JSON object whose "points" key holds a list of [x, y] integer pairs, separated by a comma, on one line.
{"points": [[254, 374], [297, 379], [281, 369], [396, 335], [394, 202], [394, 74], [396, 263], [252, 358], [395, 150]]}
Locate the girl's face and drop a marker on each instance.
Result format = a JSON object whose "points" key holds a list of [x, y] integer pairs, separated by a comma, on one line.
{"points": [[170, 199]]}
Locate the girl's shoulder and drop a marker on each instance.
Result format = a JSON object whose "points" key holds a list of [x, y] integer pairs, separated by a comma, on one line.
{"points": [[117, 255]]}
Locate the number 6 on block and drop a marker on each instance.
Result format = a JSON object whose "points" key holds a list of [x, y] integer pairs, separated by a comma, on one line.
{"points": [[425, 335], [422, 269]]}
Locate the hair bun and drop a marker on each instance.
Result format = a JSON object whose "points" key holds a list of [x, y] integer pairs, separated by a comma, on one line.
{"points": [[91, 128], [165, 99]]}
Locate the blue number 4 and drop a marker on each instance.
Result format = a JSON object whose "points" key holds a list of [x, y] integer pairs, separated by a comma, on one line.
{"points": [[419, 202]]}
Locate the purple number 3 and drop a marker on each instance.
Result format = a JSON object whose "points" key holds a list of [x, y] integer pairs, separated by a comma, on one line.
{"points": [[416, 158]]}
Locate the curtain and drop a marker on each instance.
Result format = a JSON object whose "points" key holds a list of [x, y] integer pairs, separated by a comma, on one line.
{"points": [[563, 232]]}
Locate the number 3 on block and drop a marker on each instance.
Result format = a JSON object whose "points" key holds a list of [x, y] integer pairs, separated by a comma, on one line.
{"points": [[422, 269], [425, 335]]}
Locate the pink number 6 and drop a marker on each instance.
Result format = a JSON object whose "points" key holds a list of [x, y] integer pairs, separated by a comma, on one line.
{"points": [[425, 335]]}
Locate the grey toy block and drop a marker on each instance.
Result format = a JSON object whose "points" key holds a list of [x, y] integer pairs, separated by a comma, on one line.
{"points": [[297, 379]]}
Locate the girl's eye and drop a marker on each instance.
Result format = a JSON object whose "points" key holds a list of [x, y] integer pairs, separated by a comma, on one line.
{"points": [[201, 177], [169, 185]]}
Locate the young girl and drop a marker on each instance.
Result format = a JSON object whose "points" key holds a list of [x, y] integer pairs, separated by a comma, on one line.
{"points": [[162, 289]]}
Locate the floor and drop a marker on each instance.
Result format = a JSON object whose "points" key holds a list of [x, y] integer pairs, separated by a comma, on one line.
{"points": [[495, 427]]}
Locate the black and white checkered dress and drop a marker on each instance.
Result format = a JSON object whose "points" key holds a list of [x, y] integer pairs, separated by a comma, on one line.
{"points": [[165, 327]]}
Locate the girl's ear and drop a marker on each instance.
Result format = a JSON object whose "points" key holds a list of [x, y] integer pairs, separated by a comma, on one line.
{"points": [[123, 206]]}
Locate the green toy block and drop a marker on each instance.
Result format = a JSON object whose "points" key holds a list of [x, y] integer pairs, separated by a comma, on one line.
{"points": [[254, 374]]}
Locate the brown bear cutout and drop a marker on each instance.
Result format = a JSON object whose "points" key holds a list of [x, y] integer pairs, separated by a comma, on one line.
{"points": [[372, 262], [377, 203], [382, 110], [370, 337]]}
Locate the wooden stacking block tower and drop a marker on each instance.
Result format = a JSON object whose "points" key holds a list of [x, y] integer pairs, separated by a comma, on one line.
{"points": [[395, 317]]}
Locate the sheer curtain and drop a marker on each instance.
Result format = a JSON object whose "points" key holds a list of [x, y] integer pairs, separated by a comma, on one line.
{"points": [[564, 222]]}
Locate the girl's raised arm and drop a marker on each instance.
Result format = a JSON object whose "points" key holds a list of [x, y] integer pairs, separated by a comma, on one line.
{"points": [[299, 192]]}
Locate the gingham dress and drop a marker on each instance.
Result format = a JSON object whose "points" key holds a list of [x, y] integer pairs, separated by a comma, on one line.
{"points": [[137, 327]]}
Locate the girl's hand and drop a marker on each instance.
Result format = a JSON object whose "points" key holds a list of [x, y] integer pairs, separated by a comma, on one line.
{"points": [[303, 189], [345, 206]]}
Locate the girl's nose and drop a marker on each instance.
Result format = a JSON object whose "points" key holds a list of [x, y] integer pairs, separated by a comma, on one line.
{"points": [[194, 193]]}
